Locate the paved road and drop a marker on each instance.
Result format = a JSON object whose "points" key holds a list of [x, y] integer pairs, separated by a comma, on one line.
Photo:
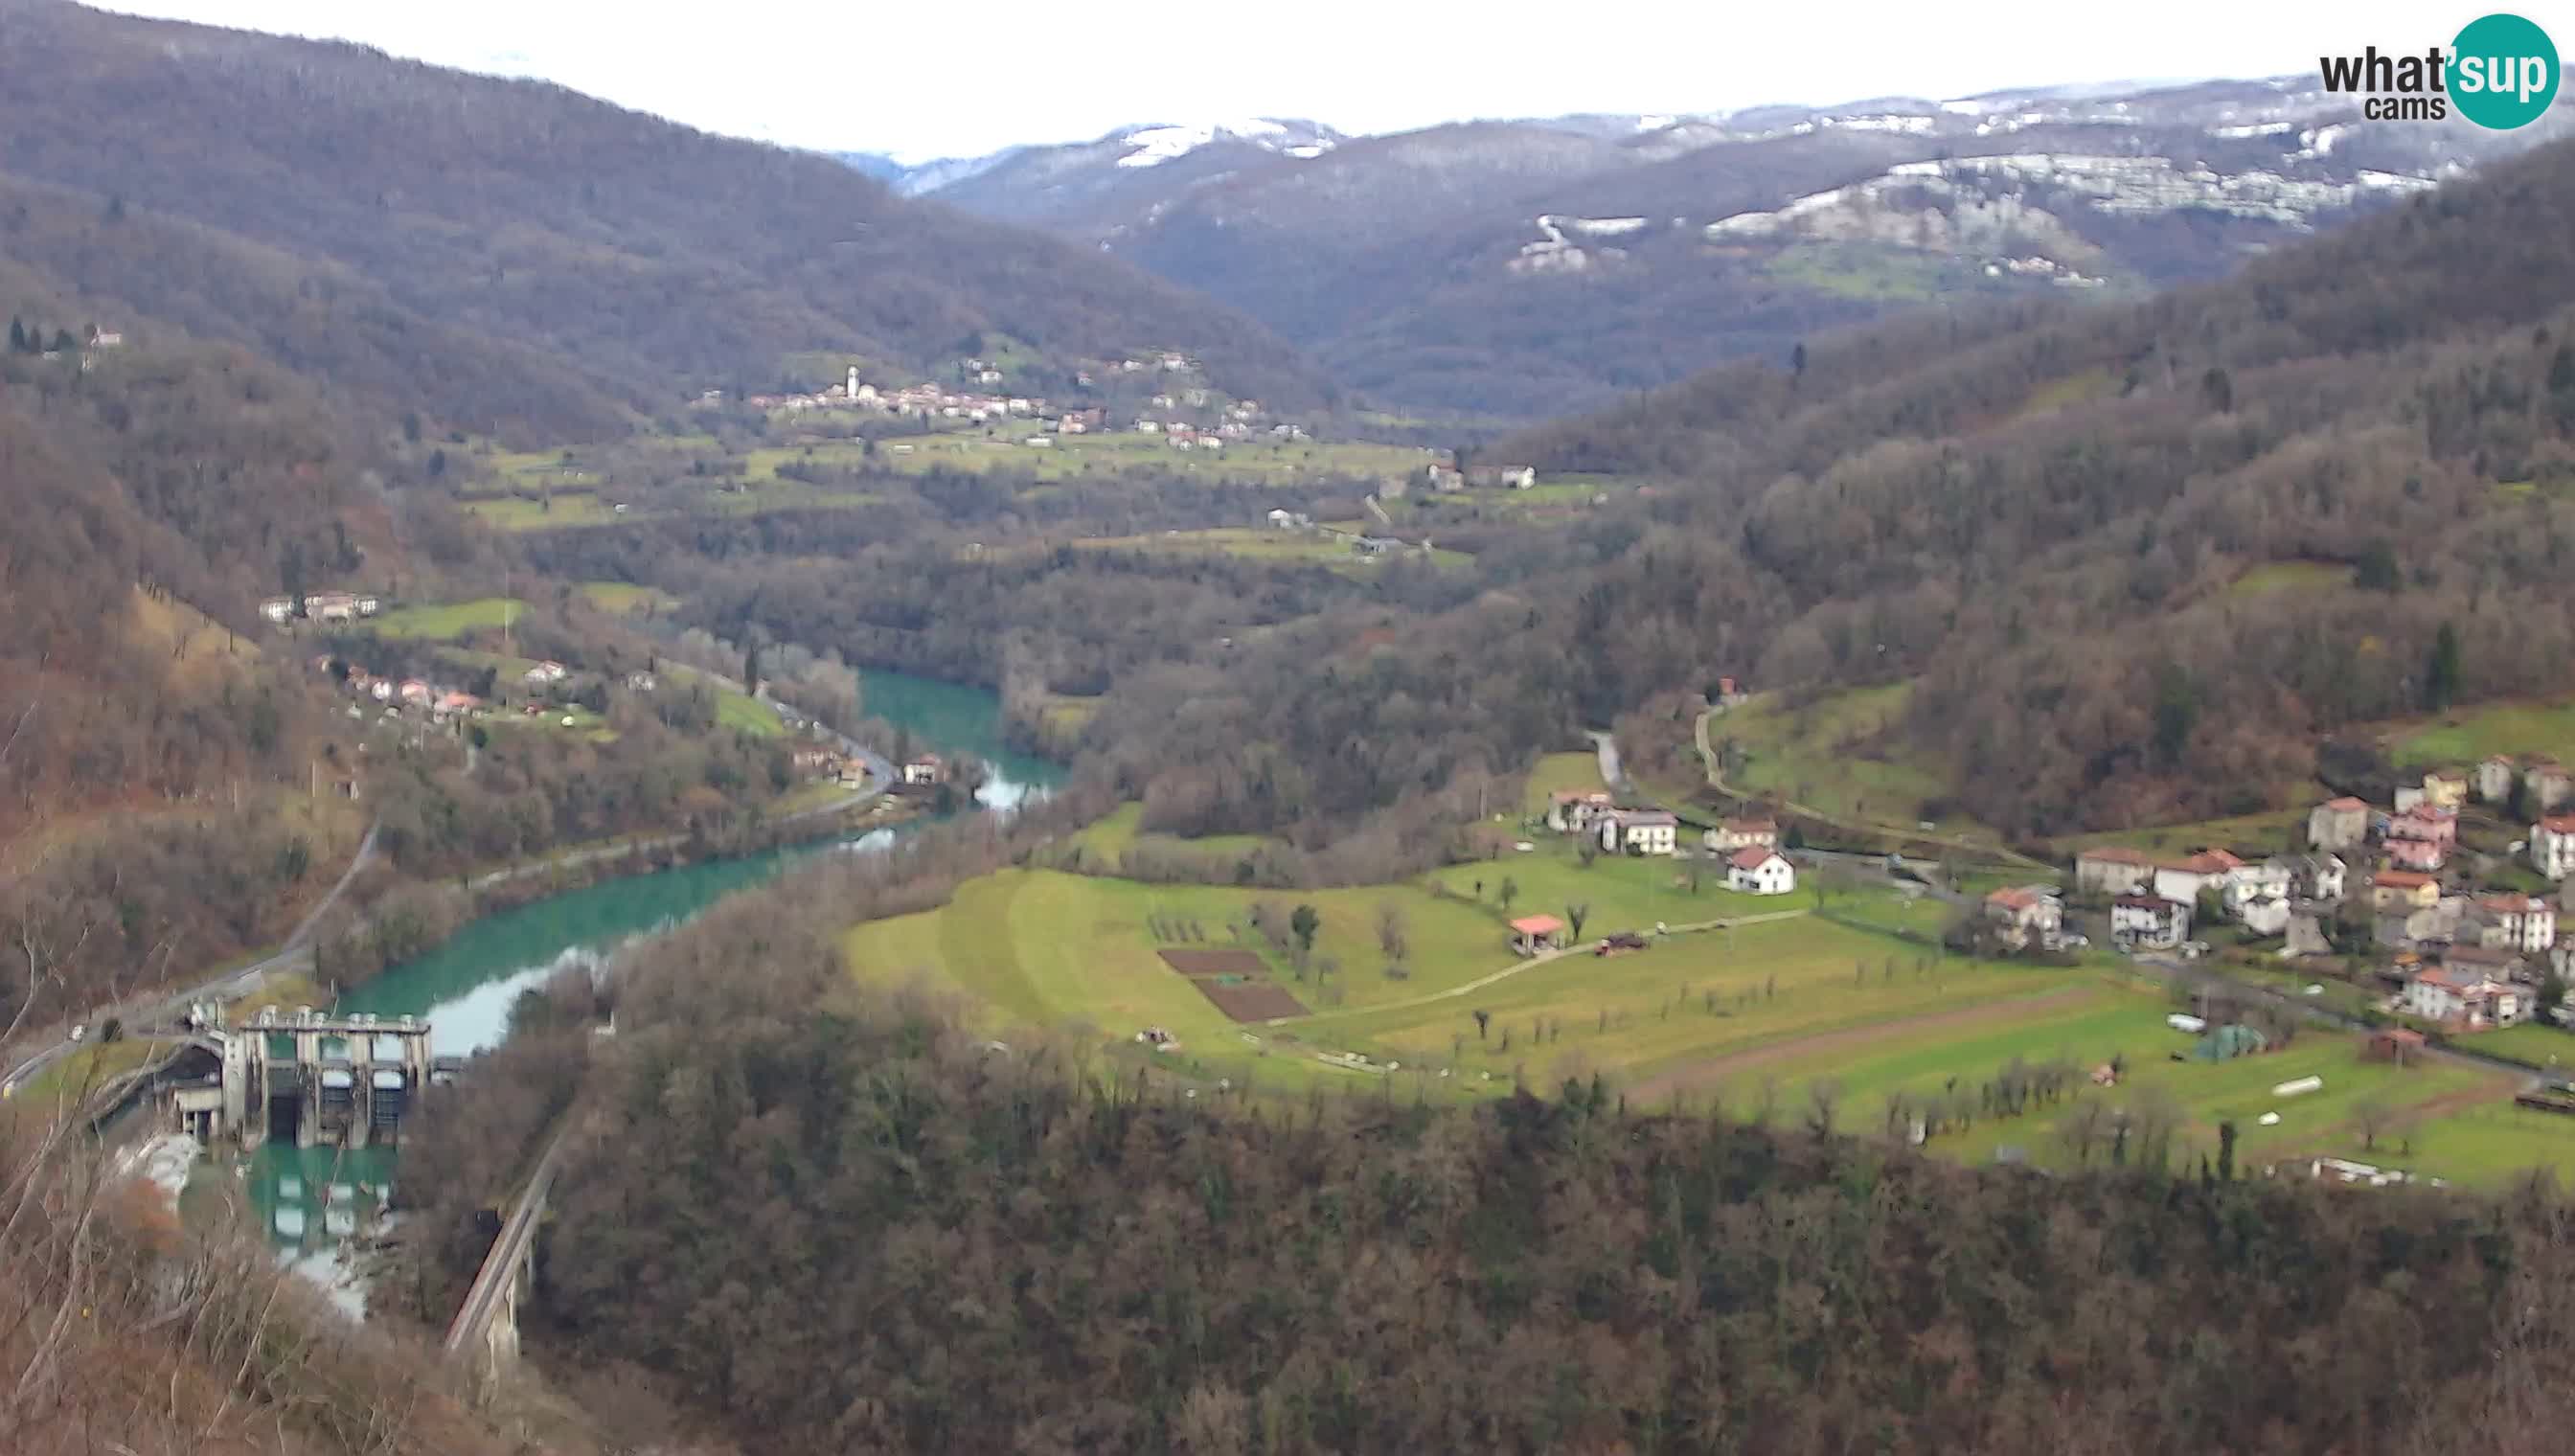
{"points": [[170, 1005], [297, 950], [1610, 772], [500, 1265]]}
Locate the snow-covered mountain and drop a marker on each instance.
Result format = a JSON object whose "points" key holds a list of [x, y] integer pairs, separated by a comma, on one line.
{"points": [[1540, 266]]}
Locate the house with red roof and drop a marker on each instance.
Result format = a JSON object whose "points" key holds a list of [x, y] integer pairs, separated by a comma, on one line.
{"points": [[2025, 914], [2464, 999], [2183, 879], [1760, 870], [2520, 922], [1534, 933]]}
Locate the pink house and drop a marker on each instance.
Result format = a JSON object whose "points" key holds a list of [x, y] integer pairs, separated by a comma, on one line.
{"points": [[2420, 855], [2424, 822]]}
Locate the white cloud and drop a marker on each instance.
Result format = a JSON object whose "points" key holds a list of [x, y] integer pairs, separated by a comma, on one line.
{"points": [[964, 79]]}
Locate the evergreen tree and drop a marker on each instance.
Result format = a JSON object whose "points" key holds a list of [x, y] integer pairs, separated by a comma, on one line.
{"points": [[17, 334], [2441, 676]]}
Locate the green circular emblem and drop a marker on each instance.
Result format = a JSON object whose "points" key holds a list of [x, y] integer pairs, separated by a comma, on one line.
{"points": [[2503, 72]]}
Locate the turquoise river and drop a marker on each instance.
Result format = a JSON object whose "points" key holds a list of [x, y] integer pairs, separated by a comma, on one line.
{"points": [[307, 1198]]}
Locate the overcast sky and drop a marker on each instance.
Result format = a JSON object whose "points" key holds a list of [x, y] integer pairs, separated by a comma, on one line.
{"points": [[929, 80]]}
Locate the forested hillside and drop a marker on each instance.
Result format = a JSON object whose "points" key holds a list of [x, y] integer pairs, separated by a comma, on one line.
{"points": [[1060, 1255], [2038, 517], [1533, 267], [420, 232]]}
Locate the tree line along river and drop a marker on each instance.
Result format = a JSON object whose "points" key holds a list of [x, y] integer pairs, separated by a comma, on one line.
{"points": [[309, 1198]]}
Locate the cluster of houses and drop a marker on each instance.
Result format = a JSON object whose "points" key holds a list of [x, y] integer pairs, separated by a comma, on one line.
{"points": [[2459, 957], [1749, 847], [1445, 477], [1237, 421], [322, 606], [439, 702]]}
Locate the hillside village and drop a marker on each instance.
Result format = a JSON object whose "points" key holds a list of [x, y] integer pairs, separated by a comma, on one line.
{"points": [[1166, 396]]}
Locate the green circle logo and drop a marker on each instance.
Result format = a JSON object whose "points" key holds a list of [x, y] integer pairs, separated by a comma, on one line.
{"points": [[2503, 72]]}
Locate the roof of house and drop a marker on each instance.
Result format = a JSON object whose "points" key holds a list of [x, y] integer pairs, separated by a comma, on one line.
{"points": [[2346, 805], [1580, 795], [1753, 859], [2116, 854], [2512, 904], [1648, 817], [2402, 1035], [2559, 823], [1755, 825], [1537, 925], [2209, 862], [2018, 897], [2481, 955], [2146, 903], [2401, 879]]}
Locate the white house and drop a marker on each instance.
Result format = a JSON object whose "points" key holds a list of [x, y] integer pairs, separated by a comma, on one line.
{"points": [[2552, 846], [2272, 880], [2492, 781], [1759, 870], [1640, 831], [924, 769], [277, 609], [2454, 999], [2523, 923], [2268, 916], [2149, 921], [2184, 880]]}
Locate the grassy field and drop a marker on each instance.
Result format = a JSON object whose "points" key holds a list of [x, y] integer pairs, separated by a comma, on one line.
{"points": [[445, 622], [625, 598], [1123, 830], [2289, 577], [563, 507], [1115, 452], [736, 710], [1675, 1019], [1874, 274], [2539, 1045], [2500, 727], [1623, 893], [1261, 544], [2273, 831], [1821, 755], [2074, 389], [1753, 1015], [1559, 770], [2489, 1145], [1047, 950]]}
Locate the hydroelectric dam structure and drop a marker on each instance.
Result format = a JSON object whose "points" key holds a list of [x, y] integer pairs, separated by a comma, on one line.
{"points": [[314, 1078]]}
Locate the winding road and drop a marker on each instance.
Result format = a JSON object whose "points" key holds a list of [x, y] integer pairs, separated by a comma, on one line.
{"points": [[170, 1005], [296, 952]]}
